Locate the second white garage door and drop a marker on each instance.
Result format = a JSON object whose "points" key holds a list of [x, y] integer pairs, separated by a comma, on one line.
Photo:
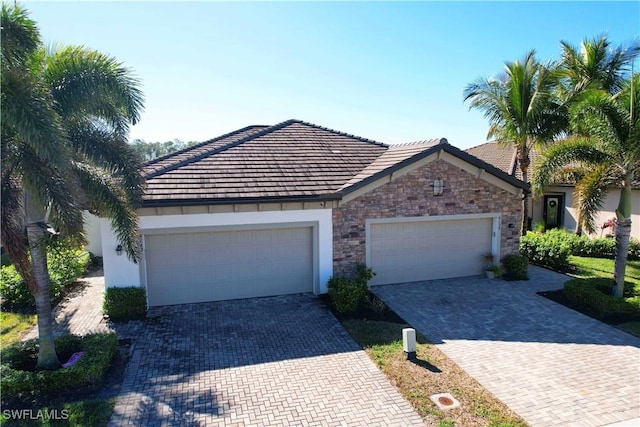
{"points": [[210, 266], [425, 250]]}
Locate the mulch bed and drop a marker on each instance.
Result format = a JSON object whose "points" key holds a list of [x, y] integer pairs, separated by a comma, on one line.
{"points": [[366, 311]]}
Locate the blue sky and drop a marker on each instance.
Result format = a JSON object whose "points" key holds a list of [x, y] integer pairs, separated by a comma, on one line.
{"points": [[389, 71]]}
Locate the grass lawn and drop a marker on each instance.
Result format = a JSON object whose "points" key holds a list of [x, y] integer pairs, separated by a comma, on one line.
{"points": [[13, 326], [603, 267], [431, 373]]}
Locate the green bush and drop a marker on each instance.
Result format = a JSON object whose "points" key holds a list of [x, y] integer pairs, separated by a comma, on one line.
{"points": [[348, 294], [124, 304], [594, 294], [516, 267], [634, 248], [551, 249], [19, 382], [65, 263], [600, 247]]}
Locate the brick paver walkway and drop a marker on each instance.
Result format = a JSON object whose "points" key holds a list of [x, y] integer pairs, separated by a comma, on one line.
{"points": [[550, 364], [80, 313], [280, 361]]}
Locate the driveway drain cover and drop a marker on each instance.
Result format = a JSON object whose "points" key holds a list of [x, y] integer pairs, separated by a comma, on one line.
{"points": [[445, 401]]}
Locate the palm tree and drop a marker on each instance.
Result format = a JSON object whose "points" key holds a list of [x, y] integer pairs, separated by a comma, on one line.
{"points": [[65, 116], [522, 110], [607, 149], [595, 65]]}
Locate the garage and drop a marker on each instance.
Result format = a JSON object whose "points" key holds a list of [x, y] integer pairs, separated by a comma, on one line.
{"points": [[413, 250], [220, 265]]}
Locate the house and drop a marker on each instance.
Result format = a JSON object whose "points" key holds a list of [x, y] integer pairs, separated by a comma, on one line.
{"points": [[270, 210], [555, 207]]}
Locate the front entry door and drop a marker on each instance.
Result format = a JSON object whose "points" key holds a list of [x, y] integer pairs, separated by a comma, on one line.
{"points": [[553, 207]]}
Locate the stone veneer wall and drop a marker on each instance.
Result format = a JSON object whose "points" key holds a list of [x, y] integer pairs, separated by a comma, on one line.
{"points": [[411, 195]]}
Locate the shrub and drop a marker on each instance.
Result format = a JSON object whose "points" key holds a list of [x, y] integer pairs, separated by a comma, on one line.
{"points": [[634, 248], [551, 249], [65, 263], [348, 294], [124, 304], [17, 382], [600, 247], [516, 267], [594, 294]]}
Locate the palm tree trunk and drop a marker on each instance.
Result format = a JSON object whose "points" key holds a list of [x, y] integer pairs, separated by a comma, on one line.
{"points": [[47, 357], [525, 206], [623, 232]]}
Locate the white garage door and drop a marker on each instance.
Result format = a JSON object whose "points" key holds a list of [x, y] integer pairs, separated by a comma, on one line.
{"points": [[426, 250], [209, 266]]}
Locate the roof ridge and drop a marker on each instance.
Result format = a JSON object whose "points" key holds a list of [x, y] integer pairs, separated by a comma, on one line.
{"points": [[422, 141], [348, 135], [231, 144], [480, 145], [198, 145]]}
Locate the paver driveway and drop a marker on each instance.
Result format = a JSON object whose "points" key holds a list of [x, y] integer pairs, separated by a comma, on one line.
{"points": [[268, 361], [550, 364]]}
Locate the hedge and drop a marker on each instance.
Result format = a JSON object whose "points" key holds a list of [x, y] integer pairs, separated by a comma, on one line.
{"points": [[553, 248], [17, 381], [347, 294], [595, 295], [124, 304]]}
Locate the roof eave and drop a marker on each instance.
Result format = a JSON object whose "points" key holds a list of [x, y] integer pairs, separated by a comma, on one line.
{"points": [[239, 200]]}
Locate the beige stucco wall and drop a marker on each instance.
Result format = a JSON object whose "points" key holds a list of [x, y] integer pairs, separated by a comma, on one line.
{"points": [[608, 210]]}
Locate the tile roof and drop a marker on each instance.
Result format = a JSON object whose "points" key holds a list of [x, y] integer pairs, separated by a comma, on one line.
{"points": [[293, 160], [502, 156], [395, 155]]}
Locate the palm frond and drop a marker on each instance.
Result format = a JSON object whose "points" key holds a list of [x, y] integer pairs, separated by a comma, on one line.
{"points": [[12, 230], [563, 154], [27, 109], [20, 35], [102, 149], [589, 195], [597, 115], [84, 80], [50, 187], [107, 198]]}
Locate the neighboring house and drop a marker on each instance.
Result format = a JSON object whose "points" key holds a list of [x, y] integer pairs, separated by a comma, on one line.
{"points": [[555, 208], [270, 210]]}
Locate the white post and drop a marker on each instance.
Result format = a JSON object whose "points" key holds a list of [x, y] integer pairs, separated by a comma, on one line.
{"points": [[409, 343]]}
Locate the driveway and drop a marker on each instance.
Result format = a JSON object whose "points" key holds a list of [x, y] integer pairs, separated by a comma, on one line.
{"points": [[551, 365], [267, 361]]}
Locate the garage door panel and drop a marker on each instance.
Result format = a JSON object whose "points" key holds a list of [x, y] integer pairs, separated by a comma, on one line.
{"points": [[209, 266], [428, 250]]}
